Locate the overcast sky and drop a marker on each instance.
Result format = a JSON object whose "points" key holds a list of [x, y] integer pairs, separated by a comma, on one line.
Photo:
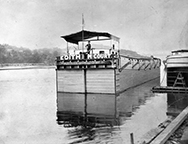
{"points": [[153, 27]]}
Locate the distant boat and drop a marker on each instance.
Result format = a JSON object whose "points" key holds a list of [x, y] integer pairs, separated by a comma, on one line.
{"points": [[101, 68]]}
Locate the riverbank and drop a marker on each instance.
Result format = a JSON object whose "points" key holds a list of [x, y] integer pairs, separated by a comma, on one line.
{"points": [[26, 67]]}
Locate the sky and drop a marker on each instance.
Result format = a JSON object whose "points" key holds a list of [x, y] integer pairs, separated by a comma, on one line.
{"points": [[149, 27]]}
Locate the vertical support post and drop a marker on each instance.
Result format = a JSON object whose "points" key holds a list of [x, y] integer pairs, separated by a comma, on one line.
{"points": [[85, 80], [115, 82], [56, 81], [115, 91], [85, 111], [85, 108], [67, 49], [132, 138]]}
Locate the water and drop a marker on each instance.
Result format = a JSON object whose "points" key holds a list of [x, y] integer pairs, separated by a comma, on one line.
{"points": [[32, 112]]}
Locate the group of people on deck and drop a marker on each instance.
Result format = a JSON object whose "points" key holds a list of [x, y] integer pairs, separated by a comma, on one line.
{"points": [[88, 46]]}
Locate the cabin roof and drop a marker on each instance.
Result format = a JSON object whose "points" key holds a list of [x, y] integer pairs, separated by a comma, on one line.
{"points": [[181, 50], [84, 35]]}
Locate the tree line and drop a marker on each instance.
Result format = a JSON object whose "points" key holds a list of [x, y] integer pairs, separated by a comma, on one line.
{"points": [[12, 54], [47, 56]]}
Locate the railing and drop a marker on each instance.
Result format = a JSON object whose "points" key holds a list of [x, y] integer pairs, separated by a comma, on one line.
{"points": [[86, 64], [87, 61], [140, 63], [107, 61]]}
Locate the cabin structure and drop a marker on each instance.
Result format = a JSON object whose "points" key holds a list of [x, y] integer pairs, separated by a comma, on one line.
{"points": [[177, 68]]}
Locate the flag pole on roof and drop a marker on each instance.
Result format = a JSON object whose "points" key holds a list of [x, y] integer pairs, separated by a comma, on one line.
{"points": [[82, 32]]}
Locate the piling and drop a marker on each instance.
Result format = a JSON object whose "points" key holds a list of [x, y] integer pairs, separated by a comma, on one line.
{"points": [[132, 138]]}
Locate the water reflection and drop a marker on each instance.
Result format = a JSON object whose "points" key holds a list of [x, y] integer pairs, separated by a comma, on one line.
{"points": [[87, 112], [29, 108], [101, 117], [176, 103]]}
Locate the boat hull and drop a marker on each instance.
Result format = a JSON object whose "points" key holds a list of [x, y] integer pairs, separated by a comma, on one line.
{"points": [[108, 81], [131, 77], [86, 81]]}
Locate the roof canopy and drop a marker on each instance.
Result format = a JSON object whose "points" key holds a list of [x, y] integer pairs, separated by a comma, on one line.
{"points": [[181, 50], [84, 35]]}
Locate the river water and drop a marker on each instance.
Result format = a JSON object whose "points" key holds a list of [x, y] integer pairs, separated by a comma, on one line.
{"points": [[32, 112]]}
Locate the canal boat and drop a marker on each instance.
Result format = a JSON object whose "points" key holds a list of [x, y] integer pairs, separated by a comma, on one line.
{"points": [[92, 66]]}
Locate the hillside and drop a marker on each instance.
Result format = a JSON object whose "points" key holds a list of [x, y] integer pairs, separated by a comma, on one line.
{"points": [[130, 53], [12, 54]]}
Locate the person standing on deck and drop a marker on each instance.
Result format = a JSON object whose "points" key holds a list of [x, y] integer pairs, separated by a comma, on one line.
{"points": [[88, 47]]}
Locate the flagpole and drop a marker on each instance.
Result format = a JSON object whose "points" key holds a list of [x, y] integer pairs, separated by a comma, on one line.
{"points": [[82, 32]]}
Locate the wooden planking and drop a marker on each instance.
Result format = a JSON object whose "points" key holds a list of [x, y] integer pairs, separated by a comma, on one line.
{"points": [[70, 81], [100, 81], [101, 104], [70, 102], [163, 137], [117, 81]]}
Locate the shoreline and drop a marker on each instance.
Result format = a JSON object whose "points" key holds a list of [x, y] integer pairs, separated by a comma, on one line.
{"points": [[26, 67]]}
